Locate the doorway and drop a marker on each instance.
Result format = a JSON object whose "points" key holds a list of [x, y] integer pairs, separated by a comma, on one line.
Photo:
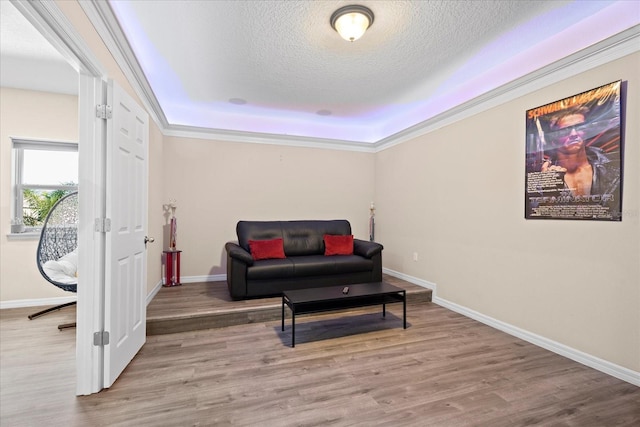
{"points": [[45, 18]]}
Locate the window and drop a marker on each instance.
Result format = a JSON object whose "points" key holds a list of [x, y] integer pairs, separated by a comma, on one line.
{"points": [[43, 172]]}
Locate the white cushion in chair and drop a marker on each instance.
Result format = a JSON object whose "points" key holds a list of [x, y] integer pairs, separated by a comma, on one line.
{"points": [[64, 270]]}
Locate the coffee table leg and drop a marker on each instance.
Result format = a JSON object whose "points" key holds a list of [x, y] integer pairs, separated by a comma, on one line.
{"points": [[283, 312], [293, 327], [404, 309], [384, 310]]}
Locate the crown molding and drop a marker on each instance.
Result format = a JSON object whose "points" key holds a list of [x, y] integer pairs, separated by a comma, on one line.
{"points": [[615, 47], [101, 16], [265, 138]]}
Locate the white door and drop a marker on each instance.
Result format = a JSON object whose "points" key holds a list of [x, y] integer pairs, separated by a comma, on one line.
{"points": [[126, 258]]}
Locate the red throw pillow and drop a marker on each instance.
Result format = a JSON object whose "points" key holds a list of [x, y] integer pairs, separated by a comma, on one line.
{"points": [[267, 249], [338, 245]]}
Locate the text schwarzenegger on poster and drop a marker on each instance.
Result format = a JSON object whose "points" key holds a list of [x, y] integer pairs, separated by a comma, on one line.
{"points": [[574, 157]]}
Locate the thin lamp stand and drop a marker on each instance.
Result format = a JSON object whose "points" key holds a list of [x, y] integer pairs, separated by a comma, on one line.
{"points": [[372, 222]]}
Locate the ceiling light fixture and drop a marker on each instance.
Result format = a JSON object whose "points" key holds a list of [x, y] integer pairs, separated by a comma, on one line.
{"points": [[352, 21]]}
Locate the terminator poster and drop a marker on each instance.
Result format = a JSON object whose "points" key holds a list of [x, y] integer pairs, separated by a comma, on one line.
{"points": [[574, 157]]}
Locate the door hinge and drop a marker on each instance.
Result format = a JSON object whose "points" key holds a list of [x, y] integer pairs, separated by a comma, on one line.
{"points": [[100, 338], [103, 225], [103, 111]]}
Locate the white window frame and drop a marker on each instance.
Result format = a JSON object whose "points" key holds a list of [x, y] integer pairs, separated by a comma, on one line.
{"points": [[18, 145]]}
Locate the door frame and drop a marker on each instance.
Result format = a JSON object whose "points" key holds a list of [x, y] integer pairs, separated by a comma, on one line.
{"points": [[49, 20]]}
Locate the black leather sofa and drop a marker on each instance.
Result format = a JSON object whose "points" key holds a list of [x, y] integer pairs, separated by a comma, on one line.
{"points": [[305, 265]]}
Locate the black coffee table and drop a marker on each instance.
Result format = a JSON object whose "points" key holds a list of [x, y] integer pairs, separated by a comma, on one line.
{"points": [[316, 300]]}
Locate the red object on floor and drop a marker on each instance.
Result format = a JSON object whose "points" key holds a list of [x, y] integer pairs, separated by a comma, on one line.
{"points": [[170, 262]]}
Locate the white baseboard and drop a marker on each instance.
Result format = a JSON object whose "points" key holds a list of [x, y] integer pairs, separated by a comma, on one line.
{"points": [[411, 279], [594, 362], [200, 279], [154, 292], [19, 303], [589, 360]]}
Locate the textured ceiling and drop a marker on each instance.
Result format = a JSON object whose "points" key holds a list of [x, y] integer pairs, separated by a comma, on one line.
{"points": [[27, 60], [284, 55], [276, 69]]}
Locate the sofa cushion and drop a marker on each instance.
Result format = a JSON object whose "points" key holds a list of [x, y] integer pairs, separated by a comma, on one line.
{"points": [[318, 265], [307, 266], [338, 245], [266, 249], [350, 263], [312, 265], [271, 269], [257, 230]]}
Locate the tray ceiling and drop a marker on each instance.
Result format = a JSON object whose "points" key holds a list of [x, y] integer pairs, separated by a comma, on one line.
{"points": [[277, 69]]}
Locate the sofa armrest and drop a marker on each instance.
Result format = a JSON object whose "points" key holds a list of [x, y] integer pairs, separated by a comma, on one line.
{"points": [[366, 249], [236, 252]]}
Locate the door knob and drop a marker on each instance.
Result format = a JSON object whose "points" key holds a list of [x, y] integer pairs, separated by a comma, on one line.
{"points": [[148, 240]]}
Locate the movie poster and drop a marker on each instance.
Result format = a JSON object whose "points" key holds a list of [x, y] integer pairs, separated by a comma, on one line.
{"points": [[574, 157]]}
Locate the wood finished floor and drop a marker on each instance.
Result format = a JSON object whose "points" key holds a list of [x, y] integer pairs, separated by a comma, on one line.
{"points": [[347, 369]]}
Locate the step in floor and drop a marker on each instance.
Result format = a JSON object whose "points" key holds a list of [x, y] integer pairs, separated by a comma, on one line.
{"points": [[207, 305]]}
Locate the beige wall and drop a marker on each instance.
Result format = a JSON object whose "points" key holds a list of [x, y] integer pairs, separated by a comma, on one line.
{"points": [[28, 114], [456, 197], [218, 183]]}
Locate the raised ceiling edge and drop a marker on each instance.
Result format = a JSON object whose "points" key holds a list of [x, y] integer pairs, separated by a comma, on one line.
{"points": [[103, 19], [263, 138], [615, 47]]}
